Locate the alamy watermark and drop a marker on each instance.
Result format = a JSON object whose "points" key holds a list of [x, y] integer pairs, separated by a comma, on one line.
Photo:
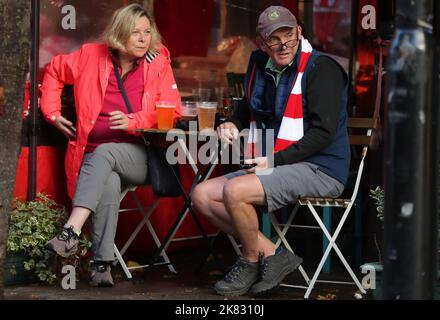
{"points": [[368, 21], [69, 280], [69, 20], [205, 147], [369, 280]]}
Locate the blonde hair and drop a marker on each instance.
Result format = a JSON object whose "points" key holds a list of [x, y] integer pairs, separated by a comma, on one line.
{"points": [[118, 31]]}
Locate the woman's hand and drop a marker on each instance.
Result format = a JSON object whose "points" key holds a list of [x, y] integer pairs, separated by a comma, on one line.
{"points": [[227, 132], [261, 164], [118, 120], [66, 127]]}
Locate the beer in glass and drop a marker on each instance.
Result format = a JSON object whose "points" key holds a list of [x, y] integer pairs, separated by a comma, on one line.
{"points": [[165, 112], [206, 114]]}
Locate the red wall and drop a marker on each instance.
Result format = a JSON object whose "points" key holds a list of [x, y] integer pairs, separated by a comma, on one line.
{"points": [[185, 25]]}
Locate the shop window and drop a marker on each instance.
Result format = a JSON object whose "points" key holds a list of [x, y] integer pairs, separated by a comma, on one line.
{"points": [[327, 25], [210, 40]]}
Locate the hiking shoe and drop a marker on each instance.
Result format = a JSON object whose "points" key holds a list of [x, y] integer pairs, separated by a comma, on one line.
{"points": [[274, 269], [101, 275], [65, 243], [242, 275]]}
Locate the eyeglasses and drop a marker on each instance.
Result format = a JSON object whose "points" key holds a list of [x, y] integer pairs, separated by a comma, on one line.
{"points": [[278, 46]]}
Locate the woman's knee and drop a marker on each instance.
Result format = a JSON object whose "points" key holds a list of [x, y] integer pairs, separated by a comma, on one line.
{"points": [[104, 150], [112, 189]]}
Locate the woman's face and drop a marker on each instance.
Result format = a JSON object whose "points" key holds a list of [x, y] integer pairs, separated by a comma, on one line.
{"points": [[139, 41]]}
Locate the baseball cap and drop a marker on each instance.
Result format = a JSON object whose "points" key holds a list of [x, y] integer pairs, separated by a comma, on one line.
{"points": [[273, 18]]}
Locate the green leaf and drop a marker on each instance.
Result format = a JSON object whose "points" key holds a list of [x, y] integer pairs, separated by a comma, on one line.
{"points": [[34, 223]]}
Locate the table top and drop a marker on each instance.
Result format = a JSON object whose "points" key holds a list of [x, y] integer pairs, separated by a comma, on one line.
{"points": [[176, 131], [188, 118]]}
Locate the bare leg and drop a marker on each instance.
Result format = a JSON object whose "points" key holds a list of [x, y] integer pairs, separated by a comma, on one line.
{"points": [[208, 199], [240, 194]]}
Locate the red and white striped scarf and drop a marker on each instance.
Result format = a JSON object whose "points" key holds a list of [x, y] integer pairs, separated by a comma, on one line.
{"points": [[292, 127]]}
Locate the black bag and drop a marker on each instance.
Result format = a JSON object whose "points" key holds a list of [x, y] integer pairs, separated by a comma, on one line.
{"points": [[162, 176]]}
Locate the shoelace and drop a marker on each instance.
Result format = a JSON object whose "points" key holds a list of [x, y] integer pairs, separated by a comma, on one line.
{"points": [[66, 234], [235, 270]]}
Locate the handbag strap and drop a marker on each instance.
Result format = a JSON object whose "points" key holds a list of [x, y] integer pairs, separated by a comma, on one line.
{"points": [[124, 95], [121, 87]]}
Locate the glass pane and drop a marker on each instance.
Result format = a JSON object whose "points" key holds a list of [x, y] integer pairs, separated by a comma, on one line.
{"points": [[332, 26], [64, 29], [217, 40], [327, 24]]}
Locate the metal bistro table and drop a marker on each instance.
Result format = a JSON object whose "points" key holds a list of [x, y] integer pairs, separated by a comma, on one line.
{"points": [[202, 173]]}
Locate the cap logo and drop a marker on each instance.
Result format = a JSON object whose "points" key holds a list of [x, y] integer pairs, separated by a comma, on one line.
{"points": [[274, 15]]}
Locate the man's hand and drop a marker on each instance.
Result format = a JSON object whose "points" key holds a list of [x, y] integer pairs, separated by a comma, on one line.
{"points": [[261, 164], [118, 120], [66, 127], [227, 132]]}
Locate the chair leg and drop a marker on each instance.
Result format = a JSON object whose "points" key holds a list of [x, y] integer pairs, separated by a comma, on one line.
{"points": [[332, 245], [317, 272], [281, 237], [145, 220], [358, 228], [151, 229], [170, 236], [350, 271], [234, 245], [122, 262], [146, 216], [275, 224]]}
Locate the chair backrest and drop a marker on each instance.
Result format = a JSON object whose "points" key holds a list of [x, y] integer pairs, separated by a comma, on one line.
{"points": [[366, 124], [360, 134]]}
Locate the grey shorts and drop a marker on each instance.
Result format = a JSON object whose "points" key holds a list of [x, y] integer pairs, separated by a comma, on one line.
{"points": [[285, 184]]}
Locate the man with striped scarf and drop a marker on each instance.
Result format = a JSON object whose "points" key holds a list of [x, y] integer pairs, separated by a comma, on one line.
{"points": [[300, 96]]}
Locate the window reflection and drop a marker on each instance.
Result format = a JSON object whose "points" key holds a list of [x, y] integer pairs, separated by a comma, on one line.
{"points": [[230, 44], [332, 26], [91, 18], [210, 40]]}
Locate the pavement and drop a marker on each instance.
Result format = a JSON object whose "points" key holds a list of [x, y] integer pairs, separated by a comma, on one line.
{"points": [[158, 283]]}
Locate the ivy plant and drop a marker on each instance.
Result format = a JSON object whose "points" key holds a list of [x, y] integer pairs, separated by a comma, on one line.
{"points": [[32, 224], [378, 195]]}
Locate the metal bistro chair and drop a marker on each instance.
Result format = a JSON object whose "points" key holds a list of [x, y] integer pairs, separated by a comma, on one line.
{"points": [[356, 139], [145, 221]]}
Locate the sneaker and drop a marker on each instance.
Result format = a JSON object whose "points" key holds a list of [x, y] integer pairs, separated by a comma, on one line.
{"points": [[274, 269], [101, 275], [242, 275], [65, 243]]}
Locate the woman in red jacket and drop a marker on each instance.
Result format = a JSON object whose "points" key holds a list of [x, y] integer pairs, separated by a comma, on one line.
{"points": [[104, 152]]}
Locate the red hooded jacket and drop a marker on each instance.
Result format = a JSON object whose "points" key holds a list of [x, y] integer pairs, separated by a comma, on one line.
{"points": [[88, 70]]}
